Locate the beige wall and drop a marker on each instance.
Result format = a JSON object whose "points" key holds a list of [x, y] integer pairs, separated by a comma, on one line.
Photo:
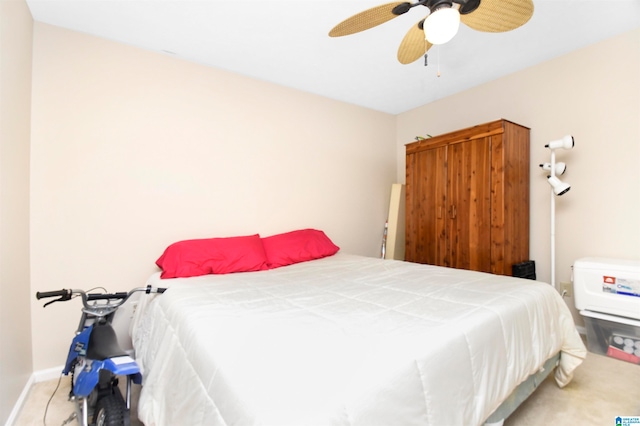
{"points": [[133, 150], [15, 103], [593, 94]]}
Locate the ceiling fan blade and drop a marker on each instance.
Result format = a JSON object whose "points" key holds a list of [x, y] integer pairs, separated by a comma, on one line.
{"points": [[496, 16], [367, 19], [413, 45]]}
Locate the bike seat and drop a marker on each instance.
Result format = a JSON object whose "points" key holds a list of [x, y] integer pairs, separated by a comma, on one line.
{"points": [[103, 343]]}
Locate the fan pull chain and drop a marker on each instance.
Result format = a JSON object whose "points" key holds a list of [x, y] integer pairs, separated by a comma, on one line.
{"points": [[426, 62], [425, 53]]}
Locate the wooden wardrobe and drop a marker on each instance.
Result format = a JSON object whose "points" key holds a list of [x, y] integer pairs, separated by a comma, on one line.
{"points": [[467, 198]]}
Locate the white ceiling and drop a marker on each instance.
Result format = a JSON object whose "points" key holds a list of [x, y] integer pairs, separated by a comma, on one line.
{"points": [[286, 42]]}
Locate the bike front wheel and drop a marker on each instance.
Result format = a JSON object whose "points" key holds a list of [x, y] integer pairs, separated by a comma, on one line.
{"points": [[110, 411]]}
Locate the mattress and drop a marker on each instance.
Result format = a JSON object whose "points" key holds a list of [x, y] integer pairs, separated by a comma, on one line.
{"points": [[345, 340]]}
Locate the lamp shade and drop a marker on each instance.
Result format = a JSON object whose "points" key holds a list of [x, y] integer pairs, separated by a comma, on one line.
{"points": [[441, 25], [558, 186], [565, 143], [559, 169]]}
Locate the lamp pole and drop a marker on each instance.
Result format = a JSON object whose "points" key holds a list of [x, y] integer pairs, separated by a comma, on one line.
{"points": [[553, 222], [557, 188]]}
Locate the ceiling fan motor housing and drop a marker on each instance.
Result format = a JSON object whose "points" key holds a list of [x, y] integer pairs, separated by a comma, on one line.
{"points": [[466, 6], [434, 5]]}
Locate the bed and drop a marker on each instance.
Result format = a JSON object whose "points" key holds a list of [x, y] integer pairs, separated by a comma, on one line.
{"points": [[346, 340]]}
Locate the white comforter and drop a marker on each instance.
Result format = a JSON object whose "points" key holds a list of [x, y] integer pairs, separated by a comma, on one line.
{"points": [[346, 340]]}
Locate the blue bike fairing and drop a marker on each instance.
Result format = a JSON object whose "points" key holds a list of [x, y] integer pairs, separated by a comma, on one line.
{"points": [[79, 346], [85, 381], [122, 365]]}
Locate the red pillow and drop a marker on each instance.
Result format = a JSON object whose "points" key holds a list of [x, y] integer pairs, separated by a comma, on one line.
{"points": [[297, 246], [191, 258]]}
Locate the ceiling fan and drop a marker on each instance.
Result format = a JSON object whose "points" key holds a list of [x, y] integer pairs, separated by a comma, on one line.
{"points": [[441, 22]]}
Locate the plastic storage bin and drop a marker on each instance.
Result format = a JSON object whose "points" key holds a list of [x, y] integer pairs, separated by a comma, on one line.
{"points": [[613, 336], [609, 286]]}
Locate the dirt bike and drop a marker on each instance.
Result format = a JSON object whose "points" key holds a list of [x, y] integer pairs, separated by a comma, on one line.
{"points": [[96, 360]]}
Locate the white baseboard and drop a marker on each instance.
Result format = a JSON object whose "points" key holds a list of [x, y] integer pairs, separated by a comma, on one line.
{"points": [[36, 377], [47, 374], [13, 416]]}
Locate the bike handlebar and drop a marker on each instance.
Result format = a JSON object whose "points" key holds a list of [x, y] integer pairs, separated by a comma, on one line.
{"points": [[57, 293], [108, 296], [121, 297]]}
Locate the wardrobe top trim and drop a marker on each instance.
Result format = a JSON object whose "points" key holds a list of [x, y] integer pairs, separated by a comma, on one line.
{"points": [[475, 132]]}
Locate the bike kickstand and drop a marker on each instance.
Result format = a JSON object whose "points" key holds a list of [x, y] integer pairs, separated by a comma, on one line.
{"points": [[71, 418]]}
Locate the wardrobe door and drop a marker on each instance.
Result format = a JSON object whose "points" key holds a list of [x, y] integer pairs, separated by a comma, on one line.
{"points": [[469, 204], [426, 206]]}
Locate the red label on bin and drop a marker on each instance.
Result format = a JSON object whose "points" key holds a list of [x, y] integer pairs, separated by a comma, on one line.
{"points": [[609, 280], [620, 354]]}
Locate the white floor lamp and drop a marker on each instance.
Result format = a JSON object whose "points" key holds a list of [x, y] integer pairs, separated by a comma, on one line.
{"points": [[557, 188]]}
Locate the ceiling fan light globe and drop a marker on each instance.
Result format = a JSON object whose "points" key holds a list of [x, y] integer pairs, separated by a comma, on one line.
{"points": [[441, 25]]}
